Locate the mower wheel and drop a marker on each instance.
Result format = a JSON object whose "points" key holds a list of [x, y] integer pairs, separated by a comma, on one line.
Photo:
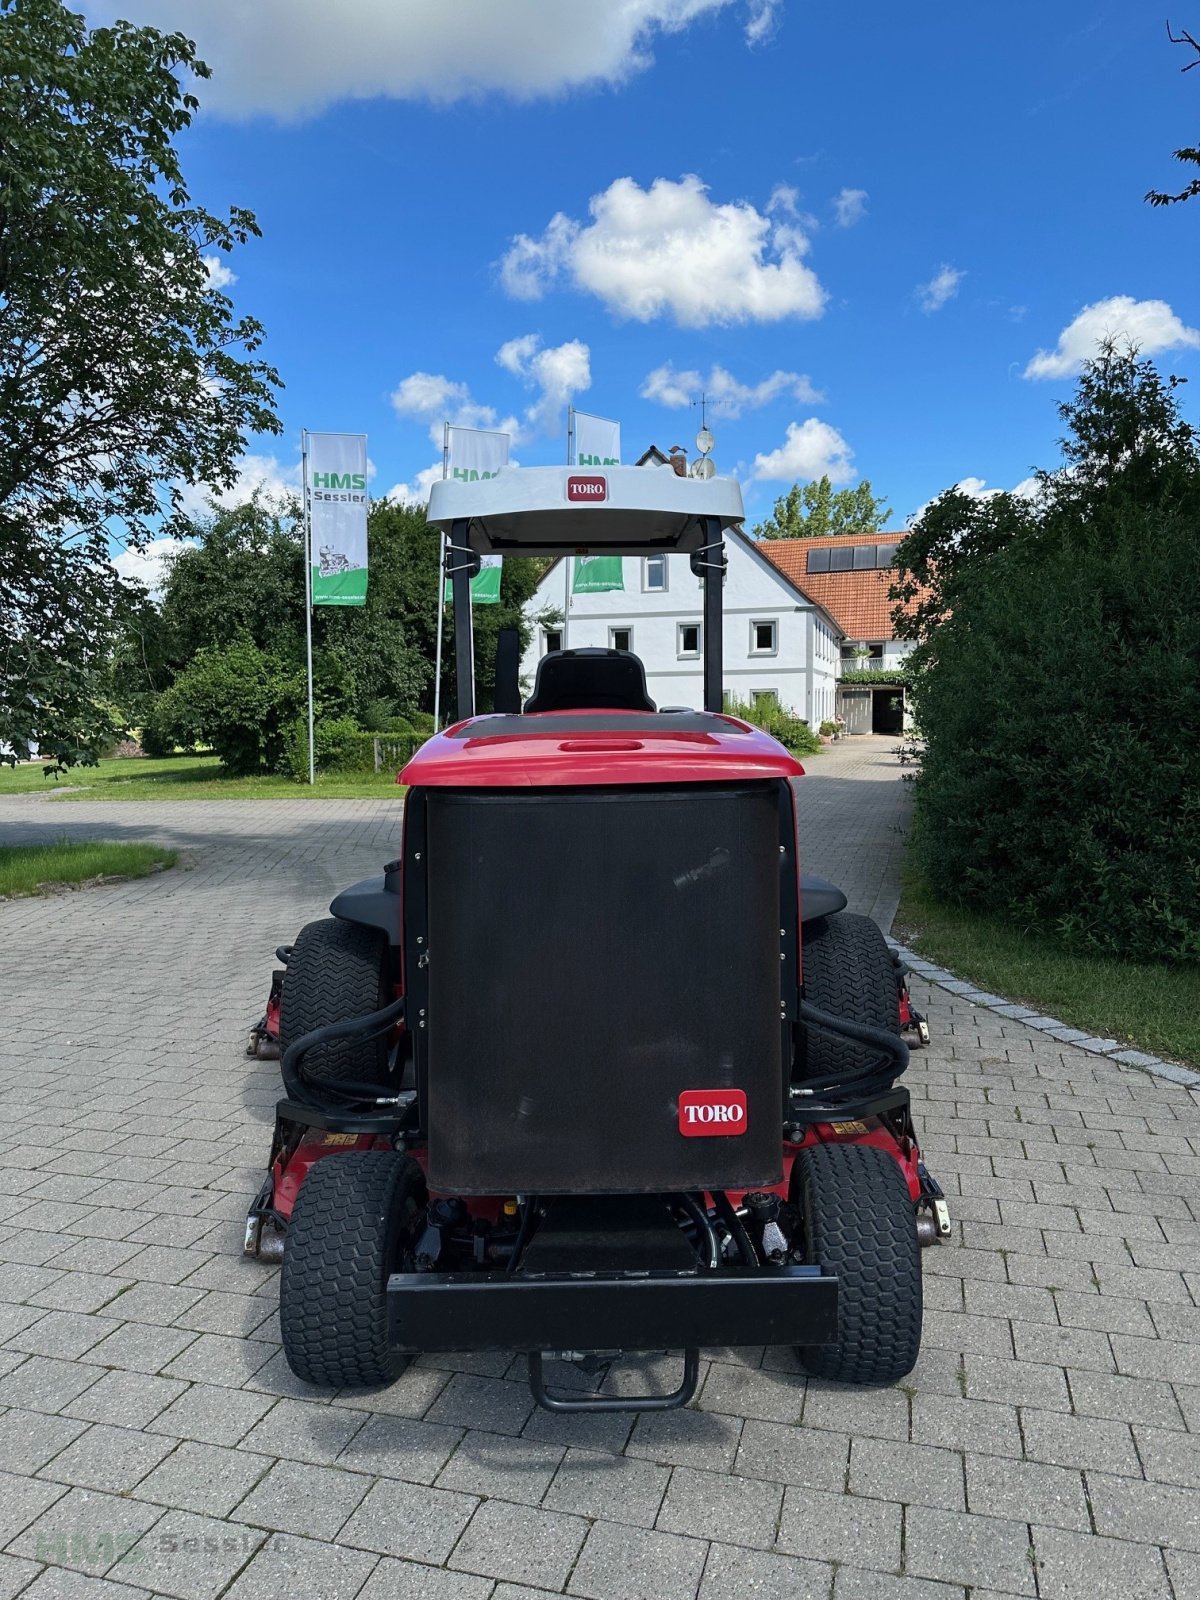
{"points": [[343, 1240], [337, 970], [849, 971], [859, 1223]]}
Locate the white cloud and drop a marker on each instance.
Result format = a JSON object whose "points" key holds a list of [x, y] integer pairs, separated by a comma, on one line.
{"points": [[291, 58], [416, 493], [678, 389], [941, 287], [761, 23], [977, 489], [1147, 325], [812, 449], [670, 249], [430, 397], [557, 373], [149, 565], [219, 275], [256, 474], [849, 207]]}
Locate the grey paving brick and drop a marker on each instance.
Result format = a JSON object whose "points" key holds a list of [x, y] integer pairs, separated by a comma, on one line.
{"points": [[57, 1583], [1027, 1491], [961, 1424], [593, 1483], [112, 1459], [202, 1477], [213, 1358], [85, 1530], [1074, 1566], [914, 1474], [619, 1562], [748, 1392], [880, 1413], [855, 1583], [1184, 1568], [41, 1384], [208, 1414], [834, 1527], [1077, 1441], [487, 1403], [498, 1465], [140, 1347], [304, 1432], [409, 1520], [596, 1431], [973, 1550], [296, 1498], [1169, 1359], [1168, 1456], [721, 1505], [190, 1557], [736, 1574], [398, 1447], [1105, 1312], [1099, 1394], [1017, 1383], [28, 1439], [129, 1399], [22, 1501], [405, 1580], [808, 1457], [287, 1565], [687, 1438], [1063, 1347], [1159, 1512]]}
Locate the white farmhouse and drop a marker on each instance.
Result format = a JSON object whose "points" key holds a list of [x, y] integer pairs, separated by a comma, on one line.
{"points": [[777, 640]]}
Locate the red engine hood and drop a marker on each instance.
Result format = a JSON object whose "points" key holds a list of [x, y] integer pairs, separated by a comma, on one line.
{"points": [[597, 747]]}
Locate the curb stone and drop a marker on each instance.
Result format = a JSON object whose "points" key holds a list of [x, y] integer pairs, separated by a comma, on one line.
{"points": [[1112, 1049]]}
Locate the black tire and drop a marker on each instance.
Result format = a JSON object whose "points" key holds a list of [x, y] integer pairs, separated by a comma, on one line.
{"points": [[859, 1222], [344, 1238], [336, 970], [848, 970]]}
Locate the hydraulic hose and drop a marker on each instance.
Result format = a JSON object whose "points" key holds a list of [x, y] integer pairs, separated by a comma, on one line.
{"points": [[875, 1078], [307, 1089], [703, 1222], [734, 1223]]}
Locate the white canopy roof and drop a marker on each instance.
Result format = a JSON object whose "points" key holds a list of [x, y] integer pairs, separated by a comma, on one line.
{"points": [[549, 510]]}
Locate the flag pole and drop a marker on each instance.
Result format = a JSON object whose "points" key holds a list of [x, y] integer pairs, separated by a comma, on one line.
{"points": [[570, 435], [312, 773], [441, 599]]}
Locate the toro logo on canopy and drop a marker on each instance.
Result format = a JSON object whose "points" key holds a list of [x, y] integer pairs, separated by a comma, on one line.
{"points": [[710, 1113], [592, 489]]}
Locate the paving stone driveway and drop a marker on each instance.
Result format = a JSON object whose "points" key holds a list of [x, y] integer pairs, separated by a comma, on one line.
{"points": [[152, 1437]]}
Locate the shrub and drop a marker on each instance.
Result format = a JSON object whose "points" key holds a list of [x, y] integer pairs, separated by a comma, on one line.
{"points": [[1057, 688], [791, 731], [334, 745], [239, 700], [375, 712], [827, 729], [422, 721]]}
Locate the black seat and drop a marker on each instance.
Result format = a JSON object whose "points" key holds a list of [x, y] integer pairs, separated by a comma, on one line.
{"points": [[582, 680]]}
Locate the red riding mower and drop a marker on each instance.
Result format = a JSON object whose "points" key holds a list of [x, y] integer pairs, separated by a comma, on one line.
{"points": [[592, 1067]]}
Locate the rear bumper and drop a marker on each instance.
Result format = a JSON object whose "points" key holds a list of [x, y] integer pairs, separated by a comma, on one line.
{"points": [[435, 1311]]}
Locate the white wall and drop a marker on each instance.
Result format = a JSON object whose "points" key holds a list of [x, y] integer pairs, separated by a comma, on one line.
{"points": [[802, 670]]}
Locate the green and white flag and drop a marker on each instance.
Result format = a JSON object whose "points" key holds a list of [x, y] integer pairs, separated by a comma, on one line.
{"points": [[335, 486], [597, 441], [597, 574], [471, 454]]}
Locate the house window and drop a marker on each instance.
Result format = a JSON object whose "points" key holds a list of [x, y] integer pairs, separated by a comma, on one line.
{"points": [[620, 638], [764, 697], [654, 574], [688, 639], [551, 640], [764, 637]]}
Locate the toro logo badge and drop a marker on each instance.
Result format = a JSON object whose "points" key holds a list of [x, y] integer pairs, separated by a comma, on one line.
{"points": [[591, 489], [709, 1113]]}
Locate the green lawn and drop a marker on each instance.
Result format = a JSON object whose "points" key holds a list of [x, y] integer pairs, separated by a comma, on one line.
{"points": [[24, 868], [1150, 1007], [195, 777]]}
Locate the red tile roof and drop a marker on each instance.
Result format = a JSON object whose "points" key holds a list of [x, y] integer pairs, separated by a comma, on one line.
{"points": [[857, 601]]}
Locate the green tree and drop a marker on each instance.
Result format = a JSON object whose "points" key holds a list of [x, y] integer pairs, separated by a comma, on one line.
{"points": [[124, 373], [817, 509], [239, 700], [1055, 679], [1189, 154]]}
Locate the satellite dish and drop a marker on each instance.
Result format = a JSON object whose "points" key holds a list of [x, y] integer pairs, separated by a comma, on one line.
{"points": [[704, 468], [704, 441]]}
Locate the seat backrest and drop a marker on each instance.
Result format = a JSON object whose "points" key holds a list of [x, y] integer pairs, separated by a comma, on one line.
{"points": [[581, 680]]}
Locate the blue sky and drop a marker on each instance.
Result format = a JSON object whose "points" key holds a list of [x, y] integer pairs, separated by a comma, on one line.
{"points": [[991, 164]]}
